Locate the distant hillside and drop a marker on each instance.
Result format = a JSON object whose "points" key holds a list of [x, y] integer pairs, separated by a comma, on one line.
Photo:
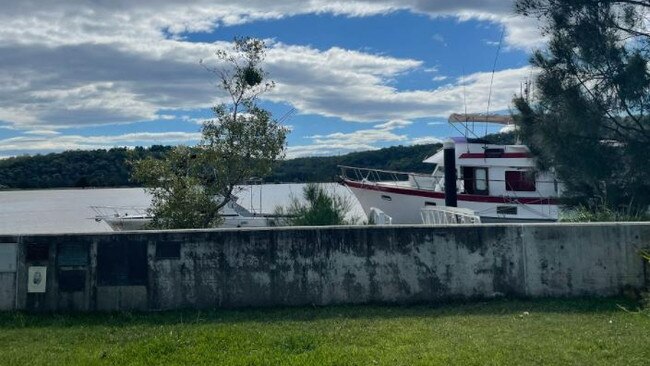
{"points": [[324, 169], [110, 168], [79, 168]]}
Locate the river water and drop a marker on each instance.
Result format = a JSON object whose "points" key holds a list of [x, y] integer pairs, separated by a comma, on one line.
{"points": [[69, 210]]}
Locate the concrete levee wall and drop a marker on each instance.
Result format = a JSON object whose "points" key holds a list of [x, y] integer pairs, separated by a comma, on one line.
{"points": [[321, 266]]}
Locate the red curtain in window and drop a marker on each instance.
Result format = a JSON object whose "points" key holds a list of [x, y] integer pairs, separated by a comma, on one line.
{"points": [[520, 181]]}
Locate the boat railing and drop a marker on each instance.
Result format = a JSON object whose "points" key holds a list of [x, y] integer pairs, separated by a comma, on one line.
{"points": [[119, 211], [370, 175], [544, 189], [442, 215]]}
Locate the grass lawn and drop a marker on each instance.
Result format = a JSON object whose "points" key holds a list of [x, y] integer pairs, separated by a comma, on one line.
{"points": [[587, 332]]}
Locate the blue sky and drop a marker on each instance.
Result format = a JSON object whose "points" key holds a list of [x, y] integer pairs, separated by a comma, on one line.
{"points": [[360, 74]]}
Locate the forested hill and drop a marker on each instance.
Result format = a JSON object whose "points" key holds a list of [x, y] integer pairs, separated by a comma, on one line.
{"points": [[401, 158], [110, 168], [78, 168], [324, 169]]}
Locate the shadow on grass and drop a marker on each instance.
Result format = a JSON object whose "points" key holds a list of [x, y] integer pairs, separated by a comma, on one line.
{"points": [[299, 314]]}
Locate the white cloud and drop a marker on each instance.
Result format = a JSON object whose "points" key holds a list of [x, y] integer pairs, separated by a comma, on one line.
{"points": [[426, 140], [396, 123], [353, 86], [338, 143], [75, 142], [42, 132], [71, 64], [361, 140], [72, 22], [325, 150], [359, 137], [340, 83], [440, 39]]}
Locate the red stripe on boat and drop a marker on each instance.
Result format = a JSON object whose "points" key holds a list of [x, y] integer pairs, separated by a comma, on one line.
{"points": [[461, 197]]}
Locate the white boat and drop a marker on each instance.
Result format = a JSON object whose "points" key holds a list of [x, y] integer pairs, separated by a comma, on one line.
{"points": [[499, 183], [127, 218]]}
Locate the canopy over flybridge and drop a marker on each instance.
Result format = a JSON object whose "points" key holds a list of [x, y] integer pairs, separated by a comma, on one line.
{"points": [[481, 117]]}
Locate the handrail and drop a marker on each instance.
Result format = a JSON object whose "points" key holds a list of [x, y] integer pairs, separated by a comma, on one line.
{"points": [[121, 207], [369, 175], [356, 169], [384, 171], [119, 211], [448, 215]]}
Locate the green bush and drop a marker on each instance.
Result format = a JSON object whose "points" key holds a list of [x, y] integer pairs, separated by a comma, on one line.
{"points": [[603, 212], [319, 208]]}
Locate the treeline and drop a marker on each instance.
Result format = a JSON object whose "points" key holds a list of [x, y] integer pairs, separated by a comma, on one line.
{"points": [[78, 168], [325, 169], [111, 168]]}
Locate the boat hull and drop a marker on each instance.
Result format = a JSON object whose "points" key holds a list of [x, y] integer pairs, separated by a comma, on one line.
{"points": [[403, 204]]}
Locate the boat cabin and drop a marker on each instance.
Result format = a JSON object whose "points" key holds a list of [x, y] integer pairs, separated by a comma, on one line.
{"points": [[494, 170]]}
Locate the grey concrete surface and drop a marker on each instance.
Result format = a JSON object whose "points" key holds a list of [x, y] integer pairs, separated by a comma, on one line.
{"points": [[157, 270]]}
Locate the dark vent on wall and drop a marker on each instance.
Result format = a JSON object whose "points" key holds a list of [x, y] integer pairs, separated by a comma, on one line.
{"points": [[38, 252], [122, 264]]}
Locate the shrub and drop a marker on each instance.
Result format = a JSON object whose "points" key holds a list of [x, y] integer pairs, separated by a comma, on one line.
{"points": [[318, 208]]}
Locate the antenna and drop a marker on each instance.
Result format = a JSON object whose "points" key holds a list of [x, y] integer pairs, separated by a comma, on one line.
{"points": [[494, 66], [465, 104]]}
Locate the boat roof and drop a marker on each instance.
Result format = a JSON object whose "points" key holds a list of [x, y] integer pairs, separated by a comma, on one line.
{"points": [[476, 152]]}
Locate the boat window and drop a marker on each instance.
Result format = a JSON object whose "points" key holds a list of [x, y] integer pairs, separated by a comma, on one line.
{"points": [[386, 198], [493, 153], [481, 183], [475, 180], [520, 181], [506, 210], [428, 203]]}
